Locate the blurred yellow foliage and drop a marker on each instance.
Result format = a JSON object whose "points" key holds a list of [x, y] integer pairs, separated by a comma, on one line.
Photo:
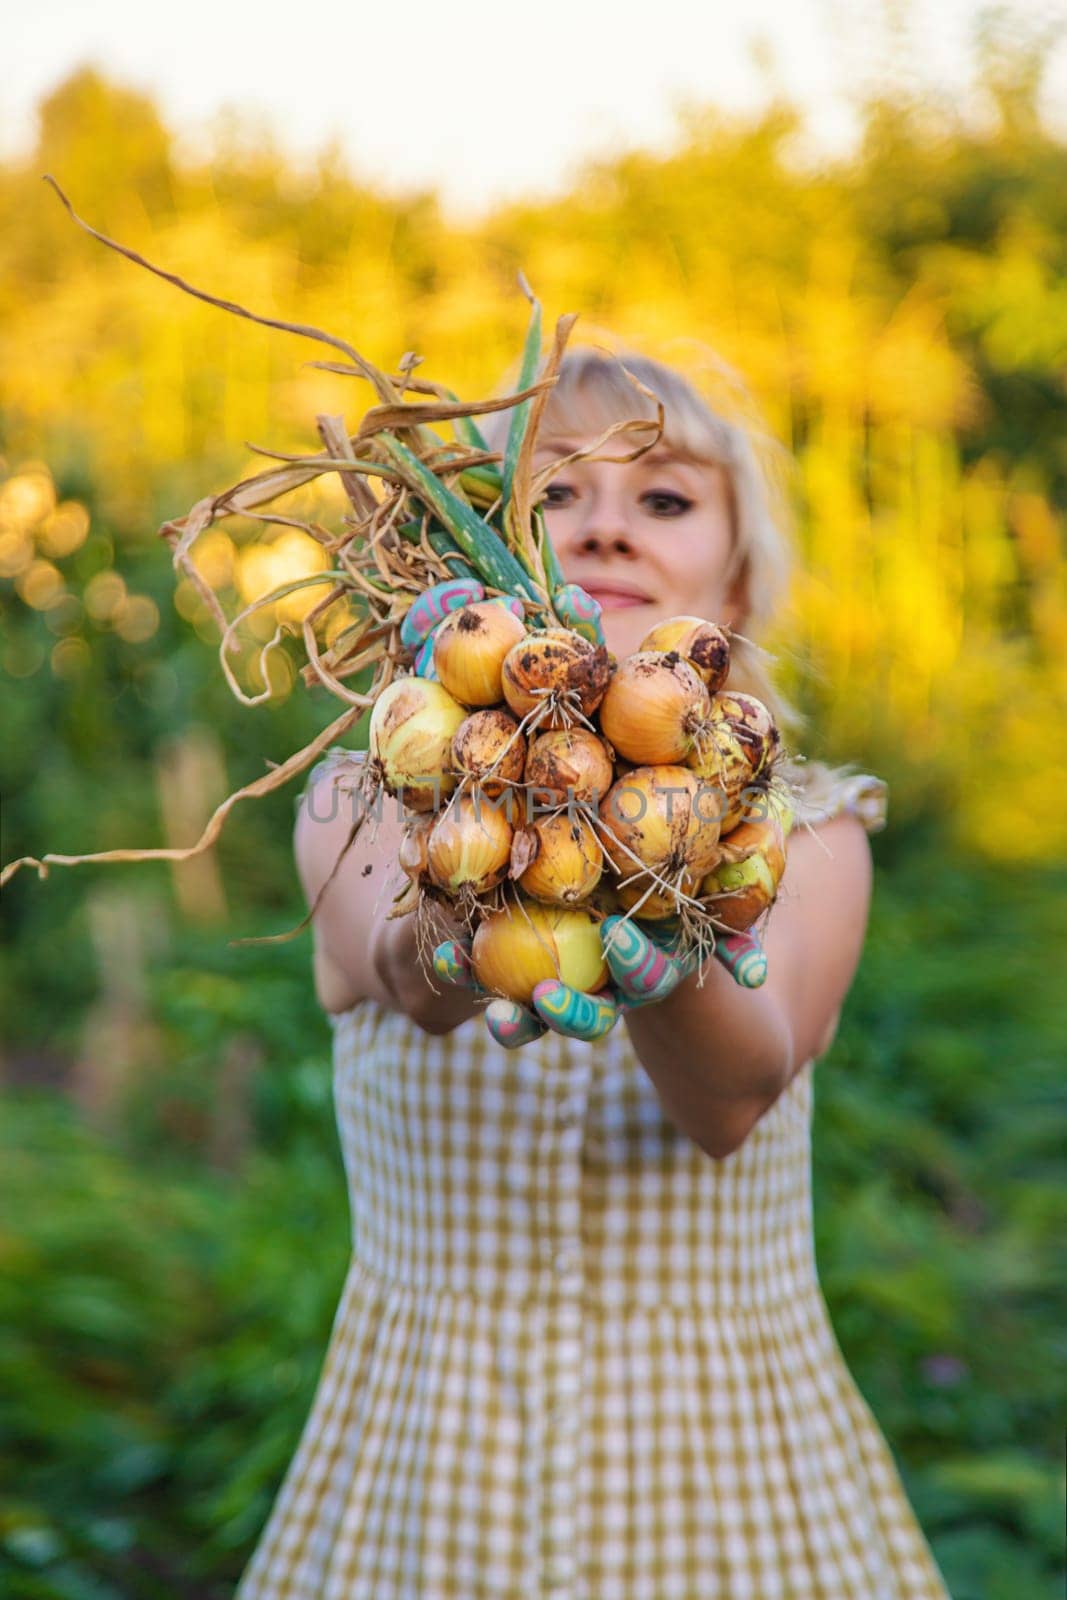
{"points": [[907, 350]]}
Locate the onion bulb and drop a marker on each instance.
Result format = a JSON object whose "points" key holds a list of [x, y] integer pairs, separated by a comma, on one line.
{"points": [[661, 819], [558, 667], [654, 905], [519, 947], [703, 644], [566, 860], [469, 649], [489, 742], [411, 729], [764, 838], [753, 724], [469, 847], [568, 763], [725, 760], [656, 709], [738, 892], [412, 854]]}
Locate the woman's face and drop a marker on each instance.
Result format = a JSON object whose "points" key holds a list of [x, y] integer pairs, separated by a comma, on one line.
{"points": [[649, 539]]}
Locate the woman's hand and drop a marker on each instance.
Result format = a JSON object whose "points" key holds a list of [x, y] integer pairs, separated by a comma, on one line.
{"points": [[645, 968]]}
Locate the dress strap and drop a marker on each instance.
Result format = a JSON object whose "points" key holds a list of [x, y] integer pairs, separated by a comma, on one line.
{"points": [[860, 794]]}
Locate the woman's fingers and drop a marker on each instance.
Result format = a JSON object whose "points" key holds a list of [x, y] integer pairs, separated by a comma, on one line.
{"points": [[433, 606], [511, 1025], [452, 964], [573, 1012], [743, 957], [642, 970], [577, 610]]}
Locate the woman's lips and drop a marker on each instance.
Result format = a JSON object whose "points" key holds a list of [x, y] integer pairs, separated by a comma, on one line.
{"points": [[612, 599]]}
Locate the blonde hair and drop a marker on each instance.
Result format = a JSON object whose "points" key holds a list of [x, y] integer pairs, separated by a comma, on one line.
{"points": [[592, 392]]}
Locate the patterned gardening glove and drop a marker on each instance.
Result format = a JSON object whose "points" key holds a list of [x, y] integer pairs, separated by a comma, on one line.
{"points": [[643, 967]]}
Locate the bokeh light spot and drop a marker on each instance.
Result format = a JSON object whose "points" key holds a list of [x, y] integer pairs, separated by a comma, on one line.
{"points": [[70, 658], [40, 584]]}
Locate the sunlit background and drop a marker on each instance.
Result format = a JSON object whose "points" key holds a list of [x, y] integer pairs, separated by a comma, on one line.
{"points": [[863, 211]]}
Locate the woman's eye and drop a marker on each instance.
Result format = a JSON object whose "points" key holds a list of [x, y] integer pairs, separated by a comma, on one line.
{"points": [[665, 503], [558, 494]]}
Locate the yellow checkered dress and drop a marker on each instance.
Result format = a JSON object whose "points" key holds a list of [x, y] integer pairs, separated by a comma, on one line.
{"points": [[575, 1357]]}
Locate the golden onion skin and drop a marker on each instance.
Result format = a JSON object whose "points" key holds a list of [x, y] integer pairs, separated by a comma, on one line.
{"points": [[725, 759], [659, 906], [656, 708], [469, 847], [704, 645], [411, 730], [555, 661], [469, 648], [477, 746], [663, 816], [521, 946], [568, 763], [757, 837], [568, 864], [738, 892], [753, 724]]}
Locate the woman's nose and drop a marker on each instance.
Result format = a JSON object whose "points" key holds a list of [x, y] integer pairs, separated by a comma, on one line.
{"points": [[605, 528]]}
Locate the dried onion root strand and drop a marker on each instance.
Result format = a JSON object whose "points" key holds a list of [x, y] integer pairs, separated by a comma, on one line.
{"points": [[646, 903], [656, 709], [554, 678], [704, 645]]}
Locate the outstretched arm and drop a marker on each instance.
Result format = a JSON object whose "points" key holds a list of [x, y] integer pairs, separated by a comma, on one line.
{"points": [[360, 953], [720, 1055]]}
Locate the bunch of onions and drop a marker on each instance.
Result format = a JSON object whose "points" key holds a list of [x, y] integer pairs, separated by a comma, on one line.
{"points": [[557, 860], [703, 644], [469, 650], [657, 823], [469, 848], [489, 749], [753, 724], [568, 763], [555, 677], [411, 731], [519, 947], [657, 709]]}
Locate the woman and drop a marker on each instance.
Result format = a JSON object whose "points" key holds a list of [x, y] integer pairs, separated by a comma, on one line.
{"points": [[581, 1350]]}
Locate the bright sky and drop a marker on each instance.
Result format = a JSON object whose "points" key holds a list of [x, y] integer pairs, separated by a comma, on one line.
{"points": [[487, 100]]}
